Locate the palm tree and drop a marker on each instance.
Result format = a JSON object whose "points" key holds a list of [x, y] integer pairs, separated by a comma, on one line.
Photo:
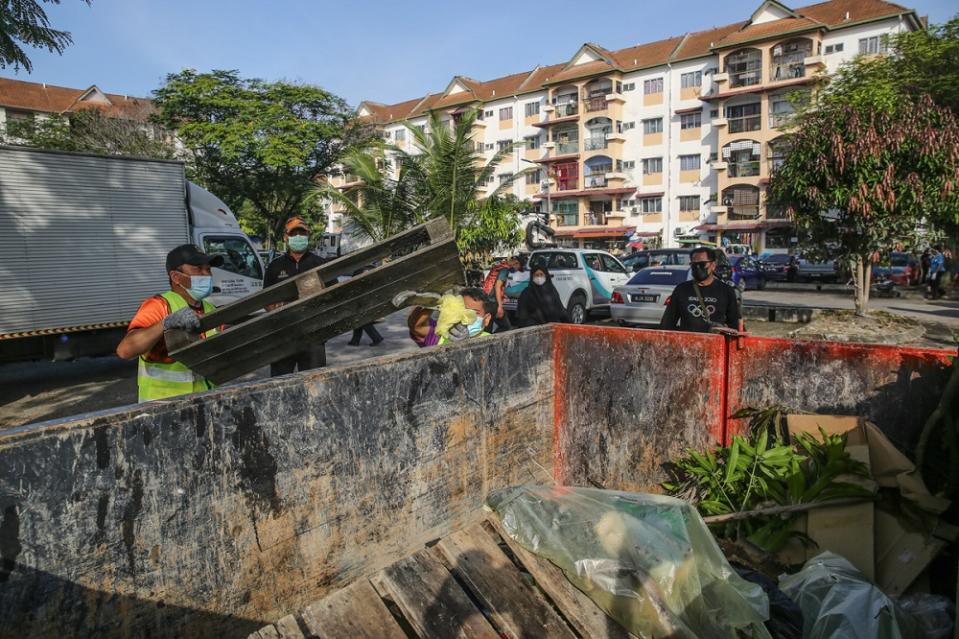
{"points": [[378, 206], [25, 21]]}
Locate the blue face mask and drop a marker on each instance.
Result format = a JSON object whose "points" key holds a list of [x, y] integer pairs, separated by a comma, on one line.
{"points": [[298, 243], [476, 327], [200, 286]]}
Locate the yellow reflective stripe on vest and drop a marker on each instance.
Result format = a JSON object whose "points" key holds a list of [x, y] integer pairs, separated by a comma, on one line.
{"points": [[159, 380]]}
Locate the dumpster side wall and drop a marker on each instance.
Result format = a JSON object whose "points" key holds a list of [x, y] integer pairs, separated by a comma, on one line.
{"points": [[629, 400], [896, 388], [217, 513]]}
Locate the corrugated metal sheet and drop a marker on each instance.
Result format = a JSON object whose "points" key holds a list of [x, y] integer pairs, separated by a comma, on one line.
{"points": [[83, 238]]}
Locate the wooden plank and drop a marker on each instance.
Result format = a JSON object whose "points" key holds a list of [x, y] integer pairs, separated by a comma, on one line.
{"points": [[272, 336], [585, 616], [431, 600], [289, 628], [286, 291], [497, 583], [354, 611]]}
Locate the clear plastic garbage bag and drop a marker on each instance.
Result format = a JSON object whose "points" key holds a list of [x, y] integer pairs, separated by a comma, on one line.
{"points": [[838, 601], [649, 561]]}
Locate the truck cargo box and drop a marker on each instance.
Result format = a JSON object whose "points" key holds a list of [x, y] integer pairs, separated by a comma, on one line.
{"points": [[214, 514]]}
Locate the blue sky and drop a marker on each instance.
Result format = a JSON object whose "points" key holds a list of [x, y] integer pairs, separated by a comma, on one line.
{"points": [[386, 51]]}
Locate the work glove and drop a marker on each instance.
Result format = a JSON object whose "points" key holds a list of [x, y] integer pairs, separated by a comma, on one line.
{"points": [[183, 319], [458, 332]]}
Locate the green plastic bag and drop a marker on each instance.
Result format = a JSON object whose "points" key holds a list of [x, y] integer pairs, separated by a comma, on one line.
{"points": [[649, 561]]}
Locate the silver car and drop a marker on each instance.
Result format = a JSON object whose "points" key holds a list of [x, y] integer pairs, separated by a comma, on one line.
{"points": [[643, 300]]}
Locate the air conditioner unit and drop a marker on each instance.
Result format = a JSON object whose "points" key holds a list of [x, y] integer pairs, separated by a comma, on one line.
{"points": [[634, 210]]}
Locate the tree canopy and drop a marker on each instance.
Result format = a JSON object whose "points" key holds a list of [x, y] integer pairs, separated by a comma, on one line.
{"points": [[261, 146], [25, 23]]}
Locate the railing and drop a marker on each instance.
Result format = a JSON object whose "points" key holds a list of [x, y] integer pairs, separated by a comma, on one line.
{"points": [[563, 148], [567, 184], [594, 218], [597, 103], [774, 213], [745, 123], [742, 212], [566, 109], [743, 169], [745, 78], [596, 181], [566, 219], [595, 144], [787, 71], [779, 119]]}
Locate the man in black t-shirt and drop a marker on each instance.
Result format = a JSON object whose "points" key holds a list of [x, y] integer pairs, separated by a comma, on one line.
{"points": [[705, 304], [296, 260]]}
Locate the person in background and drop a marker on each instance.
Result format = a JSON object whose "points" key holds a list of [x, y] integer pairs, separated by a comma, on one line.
{"points": [[297, 259], [540, 302], [704, 304], [936, 268], [422, 325], [498, 289], [370, 329], [159, 376]]}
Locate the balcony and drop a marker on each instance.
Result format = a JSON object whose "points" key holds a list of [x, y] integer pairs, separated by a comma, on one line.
{"points": [[596, 103], [567, 148], [595, 143], [565, 109], [748, 168], [787, 71], [742, 212], [598, 179], [777, 120], [748, 78], [745, 123], [814, 61], [567, 184]]}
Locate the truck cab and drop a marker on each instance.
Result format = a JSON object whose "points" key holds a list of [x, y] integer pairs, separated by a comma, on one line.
{"points": [[216, 231]]}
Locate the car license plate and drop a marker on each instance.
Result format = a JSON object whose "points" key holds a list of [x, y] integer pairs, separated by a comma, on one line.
{"points": [[644, 298]]}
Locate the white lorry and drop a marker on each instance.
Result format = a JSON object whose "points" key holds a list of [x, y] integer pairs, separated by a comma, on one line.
{"points": [[83, 241]]}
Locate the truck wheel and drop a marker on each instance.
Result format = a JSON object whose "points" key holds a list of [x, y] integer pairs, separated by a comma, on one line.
{"points": [[577, 309]]}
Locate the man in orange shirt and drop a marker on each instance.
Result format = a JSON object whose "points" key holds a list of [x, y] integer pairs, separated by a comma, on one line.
{"points": [[159, 376]]}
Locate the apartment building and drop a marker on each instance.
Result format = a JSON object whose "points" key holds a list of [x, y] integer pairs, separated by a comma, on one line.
{"points": [[662, 141]]}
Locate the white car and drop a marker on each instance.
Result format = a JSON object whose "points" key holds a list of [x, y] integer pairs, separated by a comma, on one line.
{"points": [[644, 298], [584, 278]]}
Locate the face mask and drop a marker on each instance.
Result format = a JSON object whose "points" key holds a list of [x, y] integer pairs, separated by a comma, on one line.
{"points": [[539, 281], [476, 327], [200, 286], [298, 243], [700, 272]]}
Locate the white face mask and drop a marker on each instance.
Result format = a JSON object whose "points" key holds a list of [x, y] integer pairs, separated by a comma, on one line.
{"points": [[539, 281]]}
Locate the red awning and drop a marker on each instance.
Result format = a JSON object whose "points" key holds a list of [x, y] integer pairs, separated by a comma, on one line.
{"points": [[567, 194], [648, 233], [696, 109], [606, 231]]}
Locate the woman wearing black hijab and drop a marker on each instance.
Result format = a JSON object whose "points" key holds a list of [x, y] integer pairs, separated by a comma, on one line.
{"points": [[540, 303]]}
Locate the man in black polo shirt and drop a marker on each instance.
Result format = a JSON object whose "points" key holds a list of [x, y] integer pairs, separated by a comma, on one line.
{"points": [[704, 304], [296, 260]]}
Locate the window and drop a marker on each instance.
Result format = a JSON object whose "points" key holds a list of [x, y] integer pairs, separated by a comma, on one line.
{"points": [[652, 166], [610, 264], [653, 86], [534, 177], [834, 48], [238, 256], [744, 117], [691, 120], [489, 147], [625, 126], [532, 142], [505, 177], [629, 164], [400, 135], [503, 145], [692, 79], [714, 113], [506, 113], [875, 44], [421, 128], [488, 114], [553, 260], [688, 202], [490, 179], [386, 135], [689, 162], [629, 86], [652, 204], [781, 109], [744, 67], [654, 125], [531, 108]]}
